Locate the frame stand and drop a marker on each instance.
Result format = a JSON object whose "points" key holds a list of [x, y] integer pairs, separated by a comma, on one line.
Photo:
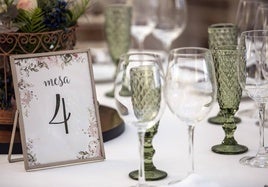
{"points": [[15, 123]]}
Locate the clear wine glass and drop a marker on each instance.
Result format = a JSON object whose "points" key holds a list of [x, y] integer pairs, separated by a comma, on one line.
{"points": [[245, 15], [261, 23], [139, 96], [190, 89], [253, 77], [171, 21], [143, 20], [245, 19]]}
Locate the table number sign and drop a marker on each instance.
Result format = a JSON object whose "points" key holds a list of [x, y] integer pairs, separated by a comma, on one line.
{"points": [[58, 112]]}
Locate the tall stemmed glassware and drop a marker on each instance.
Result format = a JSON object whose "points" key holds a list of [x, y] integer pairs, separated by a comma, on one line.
{"points": [[117, 32], [253, 77], [245, 15], [143, 20], [261, 19], [171, 21], [143, 23], [245, 20], [229, 96], [221, 34], [190, 88], [139, 95], [261, 23]]}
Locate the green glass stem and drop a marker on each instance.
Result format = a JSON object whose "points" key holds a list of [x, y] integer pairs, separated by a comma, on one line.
{"points": [[219, 119], [229, 129], [229, 145], [151, 172]]}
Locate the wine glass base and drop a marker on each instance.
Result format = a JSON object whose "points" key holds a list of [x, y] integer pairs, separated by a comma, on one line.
{"points": [[229, 149], [259, 161], [152, 175], [219, 120]]}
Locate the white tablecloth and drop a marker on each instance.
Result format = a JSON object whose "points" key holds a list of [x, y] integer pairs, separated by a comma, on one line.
{"points": [[171, 144]]}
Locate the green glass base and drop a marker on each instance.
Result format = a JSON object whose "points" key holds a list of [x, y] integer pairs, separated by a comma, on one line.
{"points": [[219, 120], [229, 149], [149, 175], [110, 93]]}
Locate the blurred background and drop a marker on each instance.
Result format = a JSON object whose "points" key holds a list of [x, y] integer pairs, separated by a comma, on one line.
{"points": [[201, 14]]}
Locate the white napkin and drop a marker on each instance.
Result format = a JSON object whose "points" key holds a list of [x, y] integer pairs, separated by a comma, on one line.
{"points": [[195, 180]]}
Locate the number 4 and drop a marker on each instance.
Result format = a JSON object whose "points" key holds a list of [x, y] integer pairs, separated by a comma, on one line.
{"points": [[64, 113]]}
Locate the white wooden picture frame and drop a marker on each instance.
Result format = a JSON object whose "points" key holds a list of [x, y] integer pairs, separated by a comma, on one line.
{"points": [[58, 111]]}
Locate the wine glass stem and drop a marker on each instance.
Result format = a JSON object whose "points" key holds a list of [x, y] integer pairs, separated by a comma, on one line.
{"points": [[191, 149], [141, 134], [261, 107], [141, 46]]}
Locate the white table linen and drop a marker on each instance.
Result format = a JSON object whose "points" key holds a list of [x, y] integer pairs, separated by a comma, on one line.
{"points": [[171, 144]]}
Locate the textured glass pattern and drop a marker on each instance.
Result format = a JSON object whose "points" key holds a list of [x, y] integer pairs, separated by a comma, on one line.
{"points": [[219, 35], [146, 93], [222, 34], [229, 90], [229, 96], [117, 30]]}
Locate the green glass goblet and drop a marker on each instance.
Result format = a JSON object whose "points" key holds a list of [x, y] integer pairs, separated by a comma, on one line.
{"points": [[117, 31], [229, 96], [218, 35], [151, 172], [141, 99]]}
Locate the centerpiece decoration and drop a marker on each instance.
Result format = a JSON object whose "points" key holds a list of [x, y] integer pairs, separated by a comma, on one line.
{"points": [[33, 26]]}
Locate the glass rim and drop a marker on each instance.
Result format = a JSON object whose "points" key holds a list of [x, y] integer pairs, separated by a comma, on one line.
{"points": [[250, 33], [222, 25], [200, 51], [124, 55]]}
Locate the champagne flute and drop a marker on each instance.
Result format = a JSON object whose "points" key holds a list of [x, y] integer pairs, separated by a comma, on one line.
{"points": [[228, 95], [143, 20], [117, 32], [253, 78], [221, 34], [190, 88], [171, 21], [139, 96]]}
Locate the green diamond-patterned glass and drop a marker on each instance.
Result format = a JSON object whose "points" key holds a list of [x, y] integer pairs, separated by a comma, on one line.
{"points": [[146, 93], [145, 99], [117, 31], [218, 35], [229, 96]]}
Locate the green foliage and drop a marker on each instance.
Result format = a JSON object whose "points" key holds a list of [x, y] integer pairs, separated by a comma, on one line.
{"points": [[77, 9], [8, 2], [31, 21]]}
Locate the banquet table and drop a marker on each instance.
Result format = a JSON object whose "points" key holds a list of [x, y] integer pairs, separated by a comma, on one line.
{"points": [[171, 145]]}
